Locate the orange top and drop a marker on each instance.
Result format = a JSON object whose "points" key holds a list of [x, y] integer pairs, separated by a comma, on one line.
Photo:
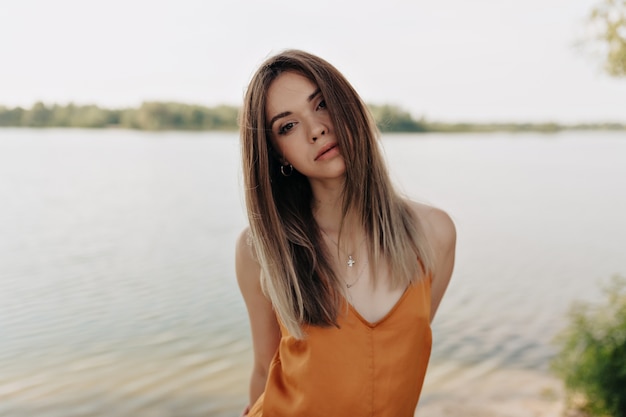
{"points": [[359, 369]]}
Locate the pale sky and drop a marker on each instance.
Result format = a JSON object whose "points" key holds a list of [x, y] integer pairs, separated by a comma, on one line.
{"points": [[448, 60]]}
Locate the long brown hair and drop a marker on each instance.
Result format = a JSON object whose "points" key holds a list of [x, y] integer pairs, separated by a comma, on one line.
{"points": [[296, 270]]}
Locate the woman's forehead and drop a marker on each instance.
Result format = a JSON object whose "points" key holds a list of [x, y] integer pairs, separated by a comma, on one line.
{"points": [[288, 89]]}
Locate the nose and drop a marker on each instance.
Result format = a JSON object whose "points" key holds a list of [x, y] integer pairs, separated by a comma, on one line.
{"points": [[318, 131]]}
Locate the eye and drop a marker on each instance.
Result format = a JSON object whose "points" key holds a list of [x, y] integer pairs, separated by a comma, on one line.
{"points": [[286, 128], [322, 104]]}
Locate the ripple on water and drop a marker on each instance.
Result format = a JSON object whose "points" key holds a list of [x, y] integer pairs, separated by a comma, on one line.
{"points": [[119, 296]]}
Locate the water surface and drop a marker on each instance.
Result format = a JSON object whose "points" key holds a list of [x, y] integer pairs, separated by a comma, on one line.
{"points": [[117, 287]]}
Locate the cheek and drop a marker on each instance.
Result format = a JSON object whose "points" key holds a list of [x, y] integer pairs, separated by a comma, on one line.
{"points": [[276, 151]]}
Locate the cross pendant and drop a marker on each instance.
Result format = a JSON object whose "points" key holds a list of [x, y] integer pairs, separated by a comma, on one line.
{"points": [[351, 261]]}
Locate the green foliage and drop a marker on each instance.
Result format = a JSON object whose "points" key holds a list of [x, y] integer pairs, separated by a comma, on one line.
{"points": [[504, 127], [393, 119], [608, 23], [11, 117], [179, 116], [150, 116], [592, 356]]}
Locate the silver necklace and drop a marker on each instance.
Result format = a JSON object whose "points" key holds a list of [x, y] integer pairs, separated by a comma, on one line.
{"points": [[351, 261], [358, 275]]}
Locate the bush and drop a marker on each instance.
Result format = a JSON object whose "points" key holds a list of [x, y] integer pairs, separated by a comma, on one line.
{"points": [[592, 356]]}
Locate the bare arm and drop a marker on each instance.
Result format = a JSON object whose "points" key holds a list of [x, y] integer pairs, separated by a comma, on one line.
{"points": [[263, 323], [441, 231]]}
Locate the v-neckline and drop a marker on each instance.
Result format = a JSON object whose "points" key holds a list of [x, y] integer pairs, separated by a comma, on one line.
{"points": [[383, 318]]}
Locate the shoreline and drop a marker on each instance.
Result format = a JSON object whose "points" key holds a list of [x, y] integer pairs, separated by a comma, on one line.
{"points": [[497, 393]]}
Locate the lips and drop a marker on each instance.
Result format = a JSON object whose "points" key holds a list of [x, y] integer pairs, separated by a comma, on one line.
{"points": [[325, 149]]}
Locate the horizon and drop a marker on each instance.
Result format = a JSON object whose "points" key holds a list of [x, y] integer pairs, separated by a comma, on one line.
{"points": [[485, 62], [413, 116]]}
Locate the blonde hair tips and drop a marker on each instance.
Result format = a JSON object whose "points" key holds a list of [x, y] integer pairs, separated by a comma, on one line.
{"points": [[296, 271]]}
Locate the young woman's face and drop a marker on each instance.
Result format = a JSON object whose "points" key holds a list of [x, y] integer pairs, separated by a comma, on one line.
{"points": [[301, 128]]}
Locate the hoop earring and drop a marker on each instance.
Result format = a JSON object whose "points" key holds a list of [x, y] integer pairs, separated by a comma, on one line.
{"points": [[286, 174]]}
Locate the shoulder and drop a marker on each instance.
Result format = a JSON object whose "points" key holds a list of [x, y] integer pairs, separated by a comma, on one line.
{"points": [[441, 233], [245, 246], [437, 225], [246, 263], [244, 242]]}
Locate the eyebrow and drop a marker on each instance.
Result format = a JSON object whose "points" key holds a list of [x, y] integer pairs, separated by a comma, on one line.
{"points": [[287, 113], [313, 95]]}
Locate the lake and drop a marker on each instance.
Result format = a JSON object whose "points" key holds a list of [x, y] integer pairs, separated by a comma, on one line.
{"points": [[117, 287]]}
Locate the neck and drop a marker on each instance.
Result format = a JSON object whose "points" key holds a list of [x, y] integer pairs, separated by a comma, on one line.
{"points": [[346, 232], [327, 211], [327, 204]]}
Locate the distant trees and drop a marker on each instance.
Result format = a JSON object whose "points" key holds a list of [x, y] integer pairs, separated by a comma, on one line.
{"points": [[149, 116], [393, 119], [608, 25], [178, 116], [168, 116], [40, 115], [11, 117]]}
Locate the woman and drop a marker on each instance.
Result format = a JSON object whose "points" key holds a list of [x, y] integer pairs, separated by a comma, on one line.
{"points": [[341, 276]]}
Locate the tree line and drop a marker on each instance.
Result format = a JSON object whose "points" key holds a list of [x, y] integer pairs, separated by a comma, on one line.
{"points": [[156, 116], [149, 116], [166, 116]]}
